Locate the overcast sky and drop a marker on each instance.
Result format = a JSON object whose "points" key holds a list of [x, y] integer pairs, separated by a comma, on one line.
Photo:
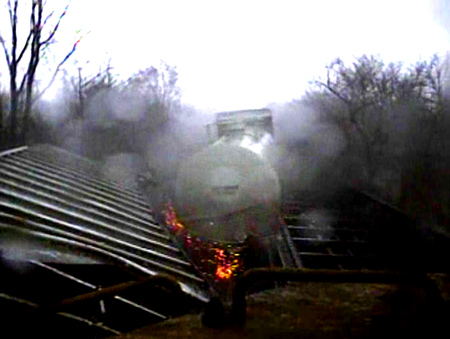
{"points": [[246, 54]]}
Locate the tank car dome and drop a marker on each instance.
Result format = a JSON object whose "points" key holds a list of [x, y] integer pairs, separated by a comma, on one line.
{"points": [[227, 192]]}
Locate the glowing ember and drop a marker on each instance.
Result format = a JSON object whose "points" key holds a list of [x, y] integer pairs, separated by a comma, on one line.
{"points": [[172, 220], [223, 273], [222, 261], [227, 265]]}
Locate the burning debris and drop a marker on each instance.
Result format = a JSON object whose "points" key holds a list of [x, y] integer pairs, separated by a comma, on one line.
{"points": [[220, 262]]}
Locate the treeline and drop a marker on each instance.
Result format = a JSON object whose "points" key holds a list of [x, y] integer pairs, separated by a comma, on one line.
{"points": [[100, 115], [104, 116], [391, 123], [90, 108]]}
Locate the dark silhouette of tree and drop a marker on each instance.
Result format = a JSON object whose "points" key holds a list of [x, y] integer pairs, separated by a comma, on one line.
{"points": [[3, 100], [82, 89], [21, 91], [89, 104], [369, 100], [157, 87]]}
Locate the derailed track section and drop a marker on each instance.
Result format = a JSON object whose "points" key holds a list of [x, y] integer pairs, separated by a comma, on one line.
{"points": [[320, 243], [354, 230], [67, 230]]}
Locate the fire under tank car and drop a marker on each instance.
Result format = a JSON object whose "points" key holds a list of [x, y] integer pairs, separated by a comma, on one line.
{"points": [[226, 206]]}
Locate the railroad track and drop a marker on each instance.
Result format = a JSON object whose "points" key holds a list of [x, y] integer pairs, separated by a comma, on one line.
{"points": [[320, 239], [355, 230]]}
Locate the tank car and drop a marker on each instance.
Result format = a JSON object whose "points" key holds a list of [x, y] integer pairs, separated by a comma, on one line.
{"points": [[229, 193]]}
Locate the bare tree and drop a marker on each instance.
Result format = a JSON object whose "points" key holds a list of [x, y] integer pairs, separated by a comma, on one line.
{"points": [[82, 89], [21, 90], [368, 98], [158, 88]]}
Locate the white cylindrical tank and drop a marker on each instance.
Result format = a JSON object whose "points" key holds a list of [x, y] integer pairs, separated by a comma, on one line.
{"points": [[227, 192]]}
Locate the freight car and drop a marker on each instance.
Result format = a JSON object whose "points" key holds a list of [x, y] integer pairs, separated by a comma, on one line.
{"points": [[227, 200]]}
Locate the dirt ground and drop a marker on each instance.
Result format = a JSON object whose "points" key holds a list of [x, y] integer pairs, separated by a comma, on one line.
{"points": [[325, 310]]}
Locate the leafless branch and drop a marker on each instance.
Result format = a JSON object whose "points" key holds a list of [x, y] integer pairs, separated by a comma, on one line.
{"points": [[11, 12], [7, 56], [25, 46], [13, 17], [337, 94], [53, 32], [38, 96], [48, 17]]}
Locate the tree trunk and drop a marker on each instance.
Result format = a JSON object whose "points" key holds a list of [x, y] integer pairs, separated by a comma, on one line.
{"points": [[27, 112], [13, 112], [2, 128]]}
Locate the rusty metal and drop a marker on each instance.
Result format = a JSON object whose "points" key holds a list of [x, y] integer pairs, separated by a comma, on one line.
{"points": [[111, 291], [239, 305], [93, 287]]}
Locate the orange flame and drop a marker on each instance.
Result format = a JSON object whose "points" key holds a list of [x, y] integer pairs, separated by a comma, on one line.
{"points": [[226, 262], [223, 268], [172, 220], [224, 273]]}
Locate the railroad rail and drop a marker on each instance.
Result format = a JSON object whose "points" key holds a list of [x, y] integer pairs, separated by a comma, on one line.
{"points": [[320, 240], [355, 230]]}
